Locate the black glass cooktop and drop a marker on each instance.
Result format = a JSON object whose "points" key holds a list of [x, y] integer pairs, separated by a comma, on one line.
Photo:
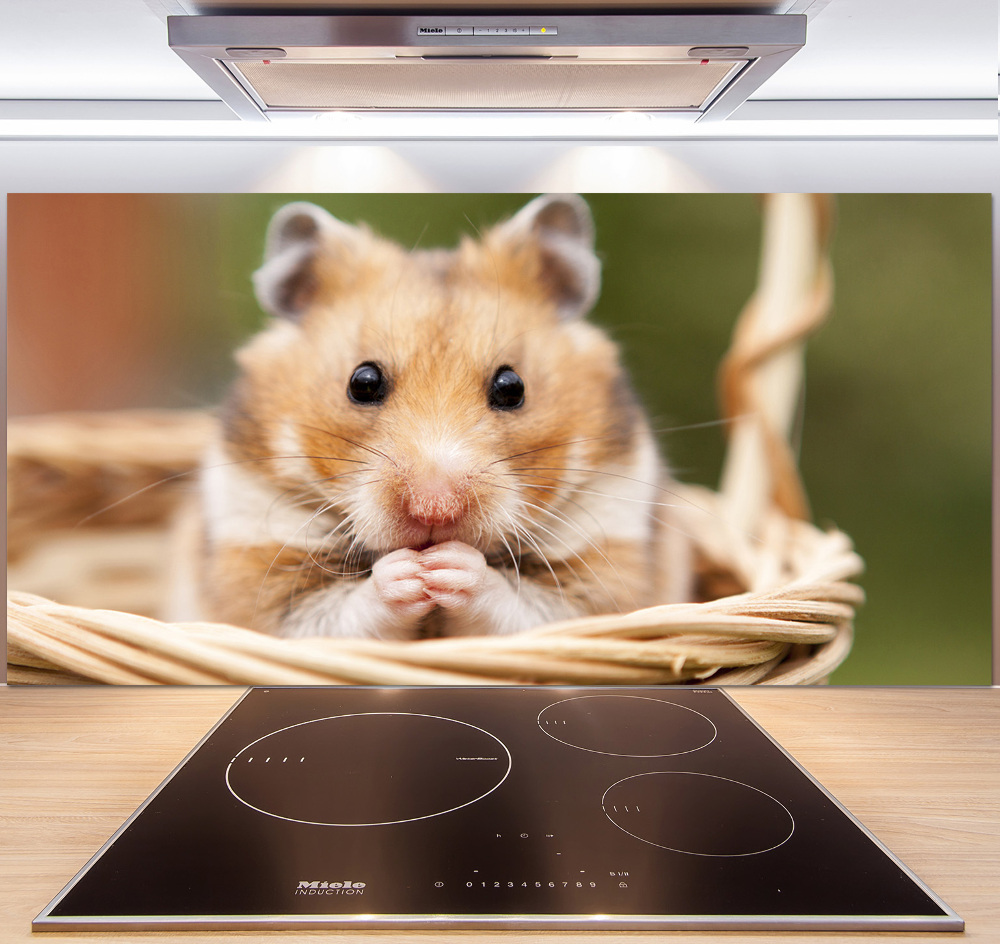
{"points": [[492, 807]]}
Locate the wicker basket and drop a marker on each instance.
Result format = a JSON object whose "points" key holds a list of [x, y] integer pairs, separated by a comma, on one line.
{"points": [[90, 498]]}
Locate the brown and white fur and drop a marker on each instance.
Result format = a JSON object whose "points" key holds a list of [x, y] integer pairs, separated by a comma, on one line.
{"points": [[429, 510]]}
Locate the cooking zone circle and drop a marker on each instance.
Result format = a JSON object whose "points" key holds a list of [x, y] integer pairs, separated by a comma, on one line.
{"points": [[699, 814], [627, 726], [369, 769]]}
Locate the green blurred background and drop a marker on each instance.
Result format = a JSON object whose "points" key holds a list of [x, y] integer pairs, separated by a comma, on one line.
{"points": [[896, 443]]}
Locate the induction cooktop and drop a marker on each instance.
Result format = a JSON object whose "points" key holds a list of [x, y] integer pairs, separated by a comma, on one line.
{"points": [[561, 808]]}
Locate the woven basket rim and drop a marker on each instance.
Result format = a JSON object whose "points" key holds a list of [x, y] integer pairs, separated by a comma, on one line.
{"points": [[796, 631]]}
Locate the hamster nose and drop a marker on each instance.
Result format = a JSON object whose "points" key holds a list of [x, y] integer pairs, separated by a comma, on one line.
{"points": [[434, 500]]}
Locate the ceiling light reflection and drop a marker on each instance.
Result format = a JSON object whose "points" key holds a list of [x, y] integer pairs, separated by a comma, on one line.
{"points": [[344, 168], [621, 168]]}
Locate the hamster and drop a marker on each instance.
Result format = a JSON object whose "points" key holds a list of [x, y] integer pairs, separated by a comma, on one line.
{"points": [[432, 443]]}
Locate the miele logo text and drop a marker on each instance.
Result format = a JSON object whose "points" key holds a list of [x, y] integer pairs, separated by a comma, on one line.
{"points": [[424, 30], [330, 888]]}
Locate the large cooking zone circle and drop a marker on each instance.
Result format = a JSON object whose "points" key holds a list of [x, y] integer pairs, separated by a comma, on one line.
{"points": [[371, 769], [700, 814], [627, 726]]}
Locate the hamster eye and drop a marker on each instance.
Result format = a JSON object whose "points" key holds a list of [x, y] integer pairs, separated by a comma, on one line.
{"points": [[367, 384], [507, 390]]}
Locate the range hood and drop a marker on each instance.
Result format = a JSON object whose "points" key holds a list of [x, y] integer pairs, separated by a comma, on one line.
{"points": [[268, 67]]}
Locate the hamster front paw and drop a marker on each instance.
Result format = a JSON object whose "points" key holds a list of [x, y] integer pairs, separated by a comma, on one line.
{"points": [[454, 574], [399, 585]]}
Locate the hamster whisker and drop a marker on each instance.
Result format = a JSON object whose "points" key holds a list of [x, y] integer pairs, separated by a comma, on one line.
{"points": [[683, 501], [706, 424], [139, 491], [355, 554], [305, 499], [562, 519], [351, 442], [349, 572], [517, 536], [513, 559], [349, 560], [325, 508], [306, 566], [568, 564], [565, 498], [652, 504], [323, 565], [322, 504], [167, 479], [324, 457], [520, 532], [348, 516], [481, 538], [313, 562], [361, 524], [589, 491], [304, 496], [558, 445], [273, 563]]}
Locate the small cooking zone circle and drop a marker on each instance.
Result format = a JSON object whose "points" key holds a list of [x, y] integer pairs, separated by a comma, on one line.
{"points": [[627, 726]]}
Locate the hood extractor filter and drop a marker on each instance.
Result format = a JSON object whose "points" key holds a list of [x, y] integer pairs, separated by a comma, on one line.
{"points": [[267, 67]]}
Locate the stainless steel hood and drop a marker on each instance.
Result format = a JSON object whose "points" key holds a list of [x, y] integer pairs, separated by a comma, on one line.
{"points": [[267, 67]]}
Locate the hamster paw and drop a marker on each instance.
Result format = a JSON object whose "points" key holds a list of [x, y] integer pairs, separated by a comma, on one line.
{"points": [[399, 586], [454, 574]]}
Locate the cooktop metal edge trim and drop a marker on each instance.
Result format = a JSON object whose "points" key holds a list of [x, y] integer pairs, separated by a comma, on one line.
{"points": [[45, 913], [950, 913], [461, 922]]}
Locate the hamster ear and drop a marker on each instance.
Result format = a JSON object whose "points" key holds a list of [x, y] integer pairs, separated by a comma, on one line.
{"points": [[559, 230], [298, 234]]}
